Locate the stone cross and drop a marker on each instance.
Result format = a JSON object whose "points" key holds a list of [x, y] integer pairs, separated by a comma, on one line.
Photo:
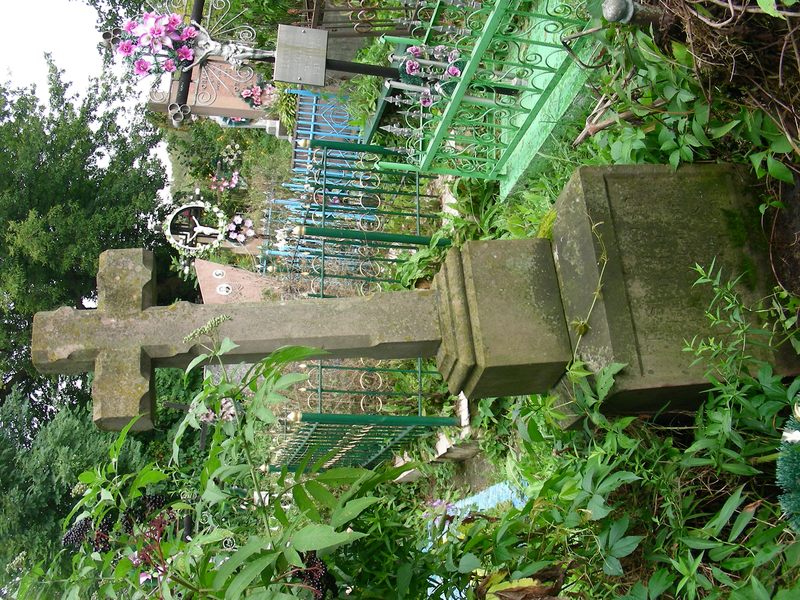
{"points": [[127, 336]]}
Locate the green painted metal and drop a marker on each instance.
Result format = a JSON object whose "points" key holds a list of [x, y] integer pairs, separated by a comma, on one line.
{"points": [[495, 20], [350, 440], [352, 147], [516, 76], [371, 236]]}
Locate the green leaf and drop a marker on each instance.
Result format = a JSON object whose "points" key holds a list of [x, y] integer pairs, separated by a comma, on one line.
{"points": [[263, 414], [145, 477], [321, 494], [404, 573], [305, 504], [699, 543], [597, 507], [718, 132], [351, 510], [226, 569], [226, 346], [123, 566], [289, 380], [468, 563], [701, 114], [770, 7], [659, 582], [212, 493], [89, 477], [625, 546], [778, 170], [741, 522], [675, 159], [342, 475], [196, 361], [605, 379], [320, 536], [760, 592], [615, 480], [245, 577], [721, 519], [612, 566]]}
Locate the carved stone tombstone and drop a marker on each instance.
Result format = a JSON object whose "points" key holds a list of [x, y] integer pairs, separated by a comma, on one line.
{"points": [[477, 335], [619, 272]]}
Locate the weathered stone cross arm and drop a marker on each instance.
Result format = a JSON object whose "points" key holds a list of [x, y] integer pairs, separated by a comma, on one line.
{"points": [[480, 332]]}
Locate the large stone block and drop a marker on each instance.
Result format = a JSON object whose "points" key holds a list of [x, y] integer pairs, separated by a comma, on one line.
{"points": [[502, 324], [643, 228]]}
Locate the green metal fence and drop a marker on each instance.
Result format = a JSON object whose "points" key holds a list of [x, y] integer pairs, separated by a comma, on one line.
{"points": [[480, 79], [329, 440]]}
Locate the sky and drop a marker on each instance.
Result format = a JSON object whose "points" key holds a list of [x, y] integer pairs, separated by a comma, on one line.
{"points": [[66, 29], [62, 27]]}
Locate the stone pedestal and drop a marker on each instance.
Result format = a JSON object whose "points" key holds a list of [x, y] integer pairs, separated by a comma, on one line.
{"points": [[502, 325], [651, 225]]}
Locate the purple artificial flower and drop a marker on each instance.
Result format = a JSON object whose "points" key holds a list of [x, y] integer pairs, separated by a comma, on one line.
{"points": [[238, 219], [412, 67], [414, 51], [248, 223], [169, 65], [453, 71], [232, 235], [439, 52], [158, 31], [142, 67], [126, 47], [231, 227], [425, 100], [129, 26], [241, 238], [249, 233], [453, 56], [248, 93], [189, 33], [173, 21], [185, 53]]}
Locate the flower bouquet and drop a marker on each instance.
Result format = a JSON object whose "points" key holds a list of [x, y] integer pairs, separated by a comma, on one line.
{"points": [[157, 43], [260, 95], [240, 229]]}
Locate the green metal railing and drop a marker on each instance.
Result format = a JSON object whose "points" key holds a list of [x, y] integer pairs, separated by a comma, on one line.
{"points": [[350, 440], [472, 113]]}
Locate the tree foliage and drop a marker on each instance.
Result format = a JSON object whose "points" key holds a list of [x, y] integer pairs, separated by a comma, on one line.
{"points": [[77, 176]]}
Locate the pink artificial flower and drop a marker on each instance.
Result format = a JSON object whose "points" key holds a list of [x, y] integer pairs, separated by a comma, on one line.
{"points": [[425, 100], [453, 56], [414, 51], [158, 31], [173, 21], [453, 71], [439, 52], [126, 47], [247, 93], [130, 26], [185, 53], [189, 33], [412, 67], [142, 67], [145, 39], [169, 66]]}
